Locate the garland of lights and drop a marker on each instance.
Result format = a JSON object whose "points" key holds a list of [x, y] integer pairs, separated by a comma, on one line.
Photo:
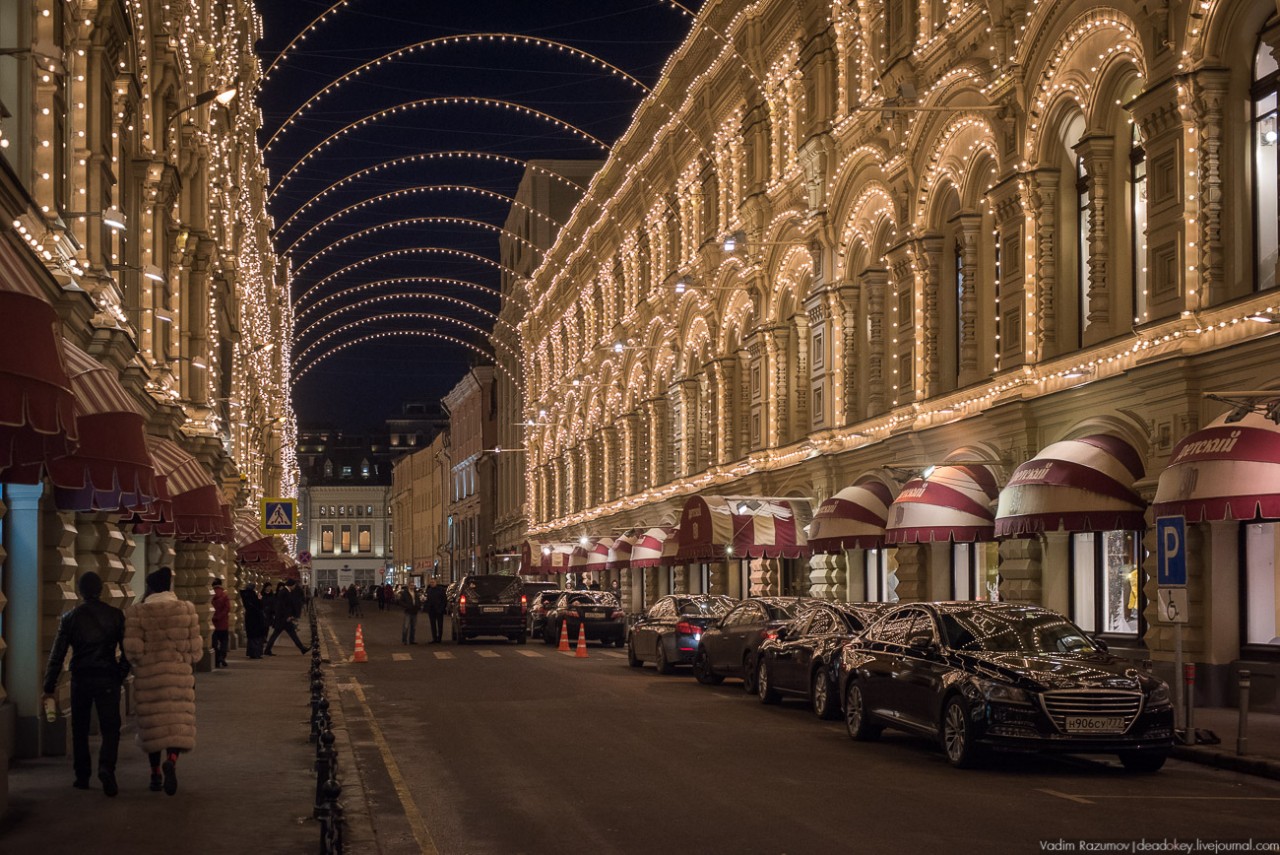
{"points": [[342, 293], [398, 253]]}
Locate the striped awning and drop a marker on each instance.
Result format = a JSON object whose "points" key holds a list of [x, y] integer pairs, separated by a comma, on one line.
{"points": [[593, 556], [647, 551], [716, 527], [854, 518], [956, 502], [620, 553], [252, 546], [1083, 484], [112, 469], [545, 558], [189, 505], [37, 403], [1226, 471]]}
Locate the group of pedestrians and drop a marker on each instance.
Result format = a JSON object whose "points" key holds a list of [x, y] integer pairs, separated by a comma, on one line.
{"points": [[413, 601], [276, 611]]}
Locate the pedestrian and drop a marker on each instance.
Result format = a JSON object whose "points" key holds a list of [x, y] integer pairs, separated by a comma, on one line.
{"points": [[353, 600], [94, 631], [288, 608], [221, 624], [255, 622], [411, 605], [615, 588], [436, 603], [268, 604], [162, 641], [379, 594]]}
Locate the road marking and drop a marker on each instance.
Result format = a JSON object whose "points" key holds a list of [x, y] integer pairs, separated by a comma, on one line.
{"points": [[416, 823], [615, 654], [443, 654], [1076, 799], [401, 657], [531, 653], [488, 654]]}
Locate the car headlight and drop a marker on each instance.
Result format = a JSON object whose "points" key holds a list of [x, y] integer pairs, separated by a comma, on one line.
{"points": [[1002, 693], [1159, 696]]}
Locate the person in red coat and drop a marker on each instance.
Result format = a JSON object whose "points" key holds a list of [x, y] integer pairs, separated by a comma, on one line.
{"points": [[221, 624]]}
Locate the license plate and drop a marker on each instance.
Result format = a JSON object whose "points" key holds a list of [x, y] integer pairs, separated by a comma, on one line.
{"points": [[494, 610], [1094, 724], [595, 614]]}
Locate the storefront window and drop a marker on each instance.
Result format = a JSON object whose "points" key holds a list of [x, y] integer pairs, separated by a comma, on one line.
{"points": [[365, 541], [1262, 591], [346, 538], [1106, 582], [880, 572], [975, 571], [326, 538]]}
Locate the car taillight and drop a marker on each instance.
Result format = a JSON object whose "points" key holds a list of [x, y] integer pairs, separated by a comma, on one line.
{"points": [[617, 614], [524, 603], [769, 634], [686, 628], [571, 613], [462, 604]]}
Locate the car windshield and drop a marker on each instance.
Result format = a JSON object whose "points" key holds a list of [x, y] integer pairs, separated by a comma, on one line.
{"points": [[493, 589], [1022, 632], [714, 606], [591, 598], [781, 611]]}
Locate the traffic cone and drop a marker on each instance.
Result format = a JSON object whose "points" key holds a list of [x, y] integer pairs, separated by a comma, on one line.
{"points": [[359, 655], [564, 637], [581, 652]]}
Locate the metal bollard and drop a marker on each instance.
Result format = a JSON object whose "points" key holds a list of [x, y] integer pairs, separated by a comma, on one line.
{"points": [[1189, 672], [317, 692], [325, 762], [1242, 730]]}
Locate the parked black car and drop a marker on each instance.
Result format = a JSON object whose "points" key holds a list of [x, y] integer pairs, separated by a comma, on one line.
{"points": [[803, 656], [980, 676], [668, 633], [539, 603], [597, 611], [728, 647], [489, 605]]}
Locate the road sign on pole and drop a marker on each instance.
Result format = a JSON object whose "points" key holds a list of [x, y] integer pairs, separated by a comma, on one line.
{"points": [[279, 516], [1171, 540], [1173, 605], [1171, 574]]}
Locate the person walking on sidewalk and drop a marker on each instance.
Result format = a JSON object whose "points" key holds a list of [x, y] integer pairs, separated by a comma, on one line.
{"points": [[255, 622], [162, 641], [221, 624], [94, 631], [353, 600], [435, 609], [288, 608], [411, 605]]}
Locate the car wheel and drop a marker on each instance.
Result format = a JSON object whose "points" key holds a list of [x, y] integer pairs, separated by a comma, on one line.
{"points": [[633, 660], [702, 669], [748, 674], [768, 694], [824, 705], [664, 665], [957, 735], [1143, 762], [856, 718]]}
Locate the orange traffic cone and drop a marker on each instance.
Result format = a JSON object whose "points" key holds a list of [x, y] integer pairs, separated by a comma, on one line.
{"points": [[359, 655], [564, 637], [581, 652]]}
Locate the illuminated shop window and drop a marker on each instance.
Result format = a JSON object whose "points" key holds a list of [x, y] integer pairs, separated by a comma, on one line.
{"points": [[1262, 584], [346, 538], [326, 538], [364, 540], [1106, 582], [880, 574], [975, 571]]}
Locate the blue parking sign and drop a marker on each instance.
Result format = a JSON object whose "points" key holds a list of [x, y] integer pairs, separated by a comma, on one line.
{"points": [[1171, 541]]}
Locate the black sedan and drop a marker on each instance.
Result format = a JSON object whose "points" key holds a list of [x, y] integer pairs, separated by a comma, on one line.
{"points": [[728, 648], [668, 633], [596, 613], [978, 676], [803, 656], [539, 603]]}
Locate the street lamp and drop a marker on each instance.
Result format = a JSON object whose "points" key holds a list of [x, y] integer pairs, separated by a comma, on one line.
{"points": [[222, 96], [112, 218], [149, 271]]}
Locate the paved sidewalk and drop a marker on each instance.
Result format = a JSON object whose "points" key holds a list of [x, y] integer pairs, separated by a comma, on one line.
{"points": [[1262, 753], [247, 787]]}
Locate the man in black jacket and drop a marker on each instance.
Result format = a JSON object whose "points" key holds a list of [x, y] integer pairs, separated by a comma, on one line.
{"points": [[288, 608], [94, 631], [436, 609]]}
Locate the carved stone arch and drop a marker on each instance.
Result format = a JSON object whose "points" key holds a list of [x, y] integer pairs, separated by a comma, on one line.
{"points": [[981, 174], [962, 139], [1214, 35], [789, 285], [737, 319], [859, 168], [871, 222]]}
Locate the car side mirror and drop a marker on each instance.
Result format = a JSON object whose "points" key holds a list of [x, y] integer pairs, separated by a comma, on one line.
{"points": [[1101, 645]]}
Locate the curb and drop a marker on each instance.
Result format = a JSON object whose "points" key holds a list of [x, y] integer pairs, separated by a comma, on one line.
{"points": [[1228, 760], [358, 835]]}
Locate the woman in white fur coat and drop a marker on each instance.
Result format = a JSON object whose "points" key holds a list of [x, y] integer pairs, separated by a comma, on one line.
{"points": [[162, 642]]}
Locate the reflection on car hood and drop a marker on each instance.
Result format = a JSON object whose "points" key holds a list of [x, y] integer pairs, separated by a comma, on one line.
{"points": [[1058, 670]]}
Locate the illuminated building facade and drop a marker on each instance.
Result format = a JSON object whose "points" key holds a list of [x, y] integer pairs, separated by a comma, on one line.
{"points": [[135, 228], [941, 285]]}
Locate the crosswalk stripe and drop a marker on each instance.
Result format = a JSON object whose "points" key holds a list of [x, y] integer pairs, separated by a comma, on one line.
{"points": [[488, 654], [400, 657], [444, 655], [531, 653]]}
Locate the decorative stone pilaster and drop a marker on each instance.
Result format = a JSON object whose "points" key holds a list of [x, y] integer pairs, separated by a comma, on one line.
{"points": [[846, 351], [1209, 89], [902, 358], [766, 577], [725, 428], [58, 570], [1021, 571], [102, 547], [1097, 153], [778, 389], [875, 282], [928, 269], [684, 417], [193, 571], [913, 572], [970, 240], [828, 577], [627, 429], [659, 463], [612, 461], [1043, 187], [680, 580]]}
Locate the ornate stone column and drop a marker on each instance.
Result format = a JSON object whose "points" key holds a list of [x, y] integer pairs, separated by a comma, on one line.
{"points": [[1043, 187], [659, 444], [1209, 87], [828, 577], [1021, 571], [970, 241], [913, 572], [876, 283], [902, 356], [928, 270], [724, 429]]}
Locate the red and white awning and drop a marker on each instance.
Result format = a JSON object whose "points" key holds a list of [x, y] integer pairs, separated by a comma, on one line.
{"points": [[595, 555], [620, 554], [252, 546], [854, 518], [647, 551], [716, 527], [1083, 484], [955, 502], [111, 470], [544, 558], [188, 505], [37, 404], [1224, 472]]}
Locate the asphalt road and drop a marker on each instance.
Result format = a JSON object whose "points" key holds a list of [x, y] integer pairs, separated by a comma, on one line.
{"points": [[493, 747]]}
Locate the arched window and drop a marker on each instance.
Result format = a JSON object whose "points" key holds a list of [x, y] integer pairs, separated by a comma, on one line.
{"points": [[1266, 160], [1138, 216]]}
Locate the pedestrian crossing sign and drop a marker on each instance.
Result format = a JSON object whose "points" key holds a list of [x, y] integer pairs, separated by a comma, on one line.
{"points": [[279, 516]]}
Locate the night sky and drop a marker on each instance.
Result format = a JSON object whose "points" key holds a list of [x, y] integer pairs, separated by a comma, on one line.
{"points": [[361, 385]]}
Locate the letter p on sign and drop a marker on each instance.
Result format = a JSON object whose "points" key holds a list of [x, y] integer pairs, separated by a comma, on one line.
{"points": [[1172, 538]]}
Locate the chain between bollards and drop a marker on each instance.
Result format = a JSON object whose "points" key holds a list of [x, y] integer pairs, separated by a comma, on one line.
{"points": [[327, 808]]}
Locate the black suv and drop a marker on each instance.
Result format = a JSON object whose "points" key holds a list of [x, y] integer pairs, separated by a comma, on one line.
{"points": [[489, 605]]}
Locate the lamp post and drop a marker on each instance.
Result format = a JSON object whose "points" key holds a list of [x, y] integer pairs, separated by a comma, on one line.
{"points": [[221, 96]]}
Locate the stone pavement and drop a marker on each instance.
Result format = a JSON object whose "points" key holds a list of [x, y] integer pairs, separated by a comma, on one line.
{"points": [[1262, 752]]}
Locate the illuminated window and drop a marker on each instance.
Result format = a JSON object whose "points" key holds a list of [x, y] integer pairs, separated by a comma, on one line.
{"points": [[346, 538], [326, 538], [1266, 166], [975, 571], [1106, 582], [880, 576], [1262, 584], [364, 542]]}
